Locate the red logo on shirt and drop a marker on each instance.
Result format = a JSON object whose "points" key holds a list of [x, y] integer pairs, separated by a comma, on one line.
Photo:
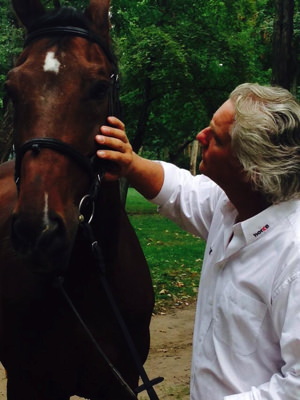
{"points": [[263, 229]]}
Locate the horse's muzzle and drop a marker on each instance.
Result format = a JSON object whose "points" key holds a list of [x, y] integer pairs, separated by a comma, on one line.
{"points": [[45, 244]]}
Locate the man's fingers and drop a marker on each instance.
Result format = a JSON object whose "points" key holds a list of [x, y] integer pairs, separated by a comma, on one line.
{"points": [[116, 122], [112, 143]]}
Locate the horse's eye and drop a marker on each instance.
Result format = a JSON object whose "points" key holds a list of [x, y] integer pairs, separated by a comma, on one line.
{"points": [[99, 90]]}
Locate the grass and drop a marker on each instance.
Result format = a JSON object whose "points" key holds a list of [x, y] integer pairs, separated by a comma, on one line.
{"points": [[173, 255]]}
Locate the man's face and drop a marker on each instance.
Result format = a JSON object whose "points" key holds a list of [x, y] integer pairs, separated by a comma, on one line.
{"points": [[218, 161]]}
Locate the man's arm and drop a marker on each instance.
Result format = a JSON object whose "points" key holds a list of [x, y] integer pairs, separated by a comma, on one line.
{"points": [[144, 175]]}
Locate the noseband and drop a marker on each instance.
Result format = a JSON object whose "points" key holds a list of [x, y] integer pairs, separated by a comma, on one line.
{"points": [[91, 165]]}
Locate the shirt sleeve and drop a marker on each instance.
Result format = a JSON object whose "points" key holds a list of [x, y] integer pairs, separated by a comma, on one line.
{"points": [[284, 385], [188, 200]]}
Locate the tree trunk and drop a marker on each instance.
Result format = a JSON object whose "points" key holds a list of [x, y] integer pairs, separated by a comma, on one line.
{"points": [[137, 142], [194, 157], [283, 63]]}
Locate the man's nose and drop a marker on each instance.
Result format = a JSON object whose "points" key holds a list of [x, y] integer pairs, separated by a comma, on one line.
{"points": [[204, 136]]}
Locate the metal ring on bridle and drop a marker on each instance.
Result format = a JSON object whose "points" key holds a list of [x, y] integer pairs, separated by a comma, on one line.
{"points": [[85, 202]]}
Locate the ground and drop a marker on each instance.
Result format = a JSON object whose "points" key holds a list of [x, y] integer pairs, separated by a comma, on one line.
{"points": [[170, 354]]}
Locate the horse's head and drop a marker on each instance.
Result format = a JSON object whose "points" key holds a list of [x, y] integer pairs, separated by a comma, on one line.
{"points": [[60, 88]]}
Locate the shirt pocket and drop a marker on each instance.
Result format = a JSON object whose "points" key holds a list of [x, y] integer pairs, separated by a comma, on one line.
{"points": [[238, 321]]}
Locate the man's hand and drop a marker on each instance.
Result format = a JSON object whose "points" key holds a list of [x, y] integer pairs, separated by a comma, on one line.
{"points": [[117, 148], [144, 175]]}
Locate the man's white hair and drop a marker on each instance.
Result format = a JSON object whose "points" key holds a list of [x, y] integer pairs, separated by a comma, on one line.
{"points": [[266, 139]]}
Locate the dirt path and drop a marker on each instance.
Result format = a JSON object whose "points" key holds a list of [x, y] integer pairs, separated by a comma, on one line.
{"points": [[170, 355]]}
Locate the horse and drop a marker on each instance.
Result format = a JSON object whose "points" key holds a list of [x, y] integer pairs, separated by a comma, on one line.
{"points": [[51, 197]]}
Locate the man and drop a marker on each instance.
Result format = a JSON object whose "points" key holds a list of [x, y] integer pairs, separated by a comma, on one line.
{"points": [[246, 205]]}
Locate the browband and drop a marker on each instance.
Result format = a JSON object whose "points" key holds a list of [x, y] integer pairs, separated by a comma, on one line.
{"points": [[67, 30]]}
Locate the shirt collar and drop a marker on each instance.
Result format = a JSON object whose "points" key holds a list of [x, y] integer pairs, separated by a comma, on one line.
{"points": [[256, 227]]}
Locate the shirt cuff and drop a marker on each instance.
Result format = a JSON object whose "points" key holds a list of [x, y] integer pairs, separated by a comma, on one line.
{"points": [[167, 189]]}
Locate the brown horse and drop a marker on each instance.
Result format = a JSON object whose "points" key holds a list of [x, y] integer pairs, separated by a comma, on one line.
{"points": [[61, 88]]}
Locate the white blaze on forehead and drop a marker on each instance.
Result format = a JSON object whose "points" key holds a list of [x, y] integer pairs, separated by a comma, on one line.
{"points": [[51, 63]]}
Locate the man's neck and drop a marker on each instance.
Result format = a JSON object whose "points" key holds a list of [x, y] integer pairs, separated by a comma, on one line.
{"points": [[247, 202]]}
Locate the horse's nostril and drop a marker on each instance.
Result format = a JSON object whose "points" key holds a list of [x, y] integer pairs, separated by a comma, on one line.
{"points": [[45, 243], [22, 235], [29, 235], [52, 238]]}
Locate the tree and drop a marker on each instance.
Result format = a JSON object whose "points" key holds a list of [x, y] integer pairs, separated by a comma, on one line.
{"points": [[11, 40], [179, 60], [284, 58]]}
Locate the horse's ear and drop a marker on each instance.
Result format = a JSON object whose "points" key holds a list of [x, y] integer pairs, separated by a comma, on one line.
{"points": [[28, 10], [98, 13]]}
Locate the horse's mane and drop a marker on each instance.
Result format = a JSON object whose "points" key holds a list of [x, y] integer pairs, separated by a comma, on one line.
{"points": [[69, 16]]}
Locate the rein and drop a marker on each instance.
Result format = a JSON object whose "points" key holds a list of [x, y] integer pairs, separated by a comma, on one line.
{"points": [[147, 383], [95, 171]]}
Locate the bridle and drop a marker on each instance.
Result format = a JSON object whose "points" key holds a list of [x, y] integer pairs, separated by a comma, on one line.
{"points": [[95, 170]]}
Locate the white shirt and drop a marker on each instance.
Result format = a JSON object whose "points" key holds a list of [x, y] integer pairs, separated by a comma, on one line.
{"points": [[247, 328]]}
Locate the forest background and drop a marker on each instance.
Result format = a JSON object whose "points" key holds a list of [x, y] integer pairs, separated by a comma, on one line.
{"points": [[179, 60]]}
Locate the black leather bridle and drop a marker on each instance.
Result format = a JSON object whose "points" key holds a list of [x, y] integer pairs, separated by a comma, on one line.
{"points": [[91, 165]]}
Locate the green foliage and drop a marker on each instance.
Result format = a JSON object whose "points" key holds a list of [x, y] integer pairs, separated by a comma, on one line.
{"points": [[296, 44], [181, 59], [178, 60], [11, 40]]}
